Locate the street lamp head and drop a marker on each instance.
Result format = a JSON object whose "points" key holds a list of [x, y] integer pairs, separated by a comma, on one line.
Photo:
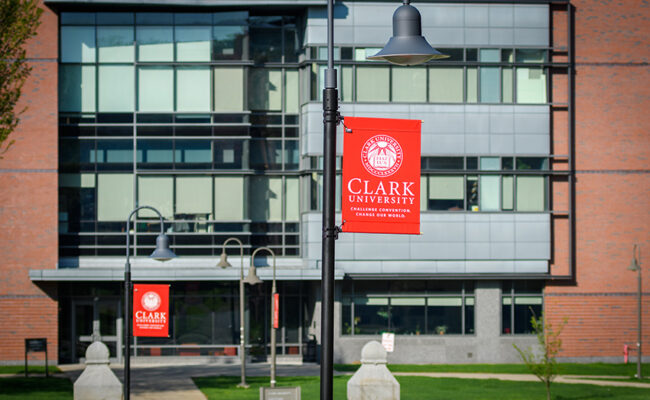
{"points": [[162, 252], [407, 46], [223, 260], [252, 278], [634, 265]]}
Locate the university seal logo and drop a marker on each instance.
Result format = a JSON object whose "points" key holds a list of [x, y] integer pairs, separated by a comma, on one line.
{"points": [[381, 155], [151, 301]]}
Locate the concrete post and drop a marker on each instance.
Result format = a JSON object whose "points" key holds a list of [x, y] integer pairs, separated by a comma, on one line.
{"points": [[97, 381], [373, 381]]}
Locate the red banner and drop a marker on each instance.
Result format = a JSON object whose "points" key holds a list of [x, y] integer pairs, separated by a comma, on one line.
{"points": [[381, 175], [151, 310], [276, 310]]}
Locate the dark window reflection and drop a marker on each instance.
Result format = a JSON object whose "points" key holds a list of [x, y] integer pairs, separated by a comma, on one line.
{"points": [[266, 154]]}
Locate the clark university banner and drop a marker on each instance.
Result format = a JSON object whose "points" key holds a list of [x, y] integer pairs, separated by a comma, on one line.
{"points": [[381, 175], [151, 310]]}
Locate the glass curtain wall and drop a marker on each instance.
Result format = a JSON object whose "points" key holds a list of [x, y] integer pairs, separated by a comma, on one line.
{"points": [[470, 75], [195, 114]]}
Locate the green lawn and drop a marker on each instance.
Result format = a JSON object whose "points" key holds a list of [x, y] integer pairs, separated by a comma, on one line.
{"points": [[564, 368], [35, 389], [20, 369], [422, 388]]}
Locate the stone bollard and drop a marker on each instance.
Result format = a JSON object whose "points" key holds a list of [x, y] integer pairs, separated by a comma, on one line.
{"points": [[97, 382], [373, 381]]}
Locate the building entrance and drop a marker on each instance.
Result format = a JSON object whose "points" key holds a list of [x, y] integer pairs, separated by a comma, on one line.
{"points": [[97, 320]]}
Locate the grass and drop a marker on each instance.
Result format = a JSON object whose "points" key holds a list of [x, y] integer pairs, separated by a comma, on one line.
{"points": [[564, 368], [35, 389], [423, 388], [20, 369]]}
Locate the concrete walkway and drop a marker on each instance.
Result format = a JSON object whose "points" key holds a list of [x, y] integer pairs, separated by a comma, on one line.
{"points": [[174, 381]]}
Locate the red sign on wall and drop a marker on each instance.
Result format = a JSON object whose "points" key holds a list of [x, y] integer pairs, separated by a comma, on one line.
{"points": [[276, 310], [381, 175], [151, 310]]}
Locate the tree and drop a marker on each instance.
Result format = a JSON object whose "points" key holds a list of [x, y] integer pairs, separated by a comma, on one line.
{"points": [[19, 20], [542, 362]]}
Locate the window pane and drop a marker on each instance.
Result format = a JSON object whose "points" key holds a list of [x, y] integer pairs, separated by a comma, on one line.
{"points": [[291, 100], [194, 195], [265, 198], [506, 318], [157, 192], [229, 195], [194, 152], [370, 316], [78, 44], [292, 208], [446, 193], [228, 154], [156, 152], [407, 319], [445, 85], [530, 193], [114, 196], [523, 314], [472, 193], [490, 85], [156, 89], [444, 315], [228, 89], [507, 193], [291, 155], [116, 88], [472, 85], [115, 151], [155, 43], [490, 163], [193, 43], [489, 55], [346, 83], [539, 163], [192, 89], [531, 85], [489, 196], [115, 43], [409, 84], [266, 39], [264, 89], [229, 42], [372, 83], [77, 88], [266, 154], [506, 85]]}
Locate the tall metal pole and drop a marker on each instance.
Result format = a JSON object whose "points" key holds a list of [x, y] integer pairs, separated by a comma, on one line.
{"points": [[273, 292], [127, 302], [638, 310], [330, 121]]}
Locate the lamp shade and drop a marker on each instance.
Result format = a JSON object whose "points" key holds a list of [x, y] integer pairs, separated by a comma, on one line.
{"points": [[223, 261], [252, 278], [407, 46], [162, 252]]}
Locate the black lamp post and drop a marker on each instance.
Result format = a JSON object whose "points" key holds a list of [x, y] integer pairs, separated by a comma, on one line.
{"points": [[636, 266], [161, 253], [251, 279], [406, 47]]}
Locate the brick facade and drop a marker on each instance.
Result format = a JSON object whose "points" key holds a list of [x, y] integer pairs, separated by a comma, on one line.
{"points": [[612, 185], [28, 206]]}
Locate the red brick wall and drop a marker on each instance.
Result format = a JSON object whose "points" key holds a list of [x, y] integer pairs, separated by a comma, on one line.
{"points": [[612, 146], [28, 206]]}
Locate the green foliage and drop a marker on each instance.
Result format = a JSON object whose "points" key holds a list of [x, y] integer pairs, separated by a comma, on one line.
{"points": [[35, 388], [19, 20], [542, 362], [422, 388]]}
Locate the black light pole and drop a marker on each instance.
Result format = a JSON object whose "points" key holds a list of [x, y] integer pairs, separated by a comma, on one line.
{"points": [[250, 279], [406, 47], [161, 253], [636, 266]]}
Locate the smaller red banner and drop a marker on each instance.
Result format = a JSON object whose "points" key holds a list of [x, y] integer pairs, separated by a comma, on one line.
{"points": [[276, 310], [151, 310]]}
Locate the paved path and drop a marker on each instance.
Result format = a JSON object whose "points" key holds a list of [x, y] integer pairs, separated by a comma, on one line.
{"points": [[174, 382]]}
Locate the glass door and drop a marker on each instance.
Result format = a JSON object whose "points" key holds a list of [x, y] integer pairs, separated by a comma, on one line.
{"points": [[97, 320]]}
